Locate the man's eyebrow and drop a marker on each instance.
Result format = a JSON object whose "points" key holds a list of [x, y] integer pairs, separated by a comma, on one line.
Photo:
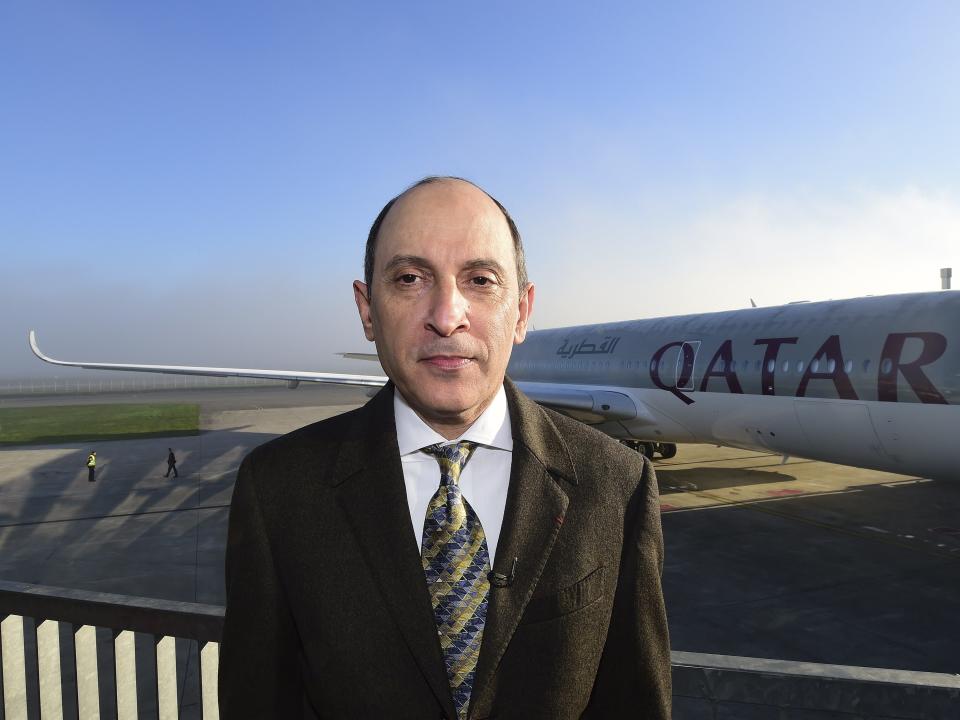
{"points": [[486, 264], [398, 261]]}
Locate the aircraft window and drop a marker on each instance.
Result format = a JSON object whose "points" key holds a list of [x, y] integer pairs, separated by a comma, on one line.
{"points": [[721, 366], [866, 365], [848, 366], [653, 366], [886, 366], [831, 366], [786, 366], [815, 366], [757, 367], [770, 366], [800, 366]]}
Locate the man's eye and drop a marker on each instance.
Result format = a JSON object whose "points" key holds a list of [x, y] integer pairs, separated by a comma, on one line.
{"points": [[482, 281], [407, 278]]}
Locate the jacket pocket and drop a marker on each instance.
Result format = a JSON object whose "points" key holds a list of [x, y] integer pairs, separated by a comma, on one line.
{"points": [[569, 600]]}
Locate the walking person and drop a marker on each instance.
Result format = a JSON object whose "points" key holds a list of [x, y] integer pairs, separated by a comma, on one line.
{"points": [[91, 465], [171, 463]]}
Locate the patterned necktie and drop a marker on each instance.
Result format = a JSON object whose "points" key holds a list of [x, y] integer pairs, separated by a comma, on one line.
{"points": [[456, 563]]}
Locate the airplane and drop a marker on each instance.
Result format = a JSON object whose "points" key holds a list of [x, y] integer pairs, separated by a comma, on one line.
{"points": [[872, 382]]}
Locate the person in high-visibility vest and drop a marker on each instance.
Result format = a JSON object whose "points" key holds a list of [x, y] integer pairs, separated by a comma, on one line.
{"points": [[91, 465]]}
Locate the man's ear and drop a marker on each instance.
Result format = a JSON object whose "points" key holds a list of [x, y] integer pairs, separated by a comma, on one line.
{"points": [[361, 293], [526, 309]]}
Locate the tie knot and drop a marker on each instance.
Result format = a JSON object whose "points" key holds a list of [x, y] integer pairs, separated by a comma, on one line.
{"points": [[452, 458]]}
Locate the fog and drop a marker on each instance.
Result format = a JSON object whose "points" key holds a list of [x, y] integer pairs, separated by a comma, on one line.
{"points": [[254, 320], [593, 259]]}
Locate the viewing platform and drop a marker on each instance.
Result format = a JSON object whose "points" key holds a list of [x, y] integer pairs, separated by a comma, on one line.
{"points": [[81, 654]]}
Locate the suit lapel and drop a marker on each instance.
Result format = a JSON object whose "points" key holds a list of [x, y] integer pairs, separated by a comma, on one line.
{"points": [[373, 498], [536, 505]]}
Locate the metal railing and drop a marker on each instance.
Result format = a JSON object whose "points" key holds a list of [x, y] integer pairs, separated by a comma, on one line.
{"points": [[134, 382], [707, 687], [74, 653]]}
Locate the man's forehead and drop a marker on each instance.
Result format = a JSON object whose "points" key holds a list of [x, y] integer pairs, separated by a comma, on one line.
{"points": [[453, 204]]}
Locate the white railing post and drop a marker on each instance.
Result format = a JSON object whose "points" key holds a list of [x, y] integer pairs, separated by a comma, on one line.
{"points": [[166, 677], [88, 683], [125, 674], [14, 659], [209, 667], [48, 668]]}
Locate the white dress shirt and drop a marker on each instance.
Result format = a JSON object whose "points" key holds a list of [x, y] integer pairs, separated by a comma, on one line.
{"points": [[484, 480]]}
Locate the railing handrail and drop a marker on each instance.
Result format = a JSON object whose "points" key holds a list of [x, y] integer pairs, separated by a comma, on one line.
{"points": [[203, 622], [824, 671], [702, 683], [193, 621]]}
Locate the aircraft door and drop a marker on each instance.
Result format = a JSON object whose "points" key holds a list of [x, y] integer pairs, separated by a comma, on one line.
{"points": [[673, 366], [686, 362]]}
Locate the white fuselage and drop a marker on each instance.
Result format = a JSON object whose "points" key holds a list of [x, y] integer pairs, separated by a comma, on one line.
{"points": [[871, 382]]}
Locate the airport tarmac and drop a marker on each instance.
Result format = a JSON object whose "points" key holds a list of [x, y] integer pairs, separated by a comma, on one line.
{"points": [[802, 561]]}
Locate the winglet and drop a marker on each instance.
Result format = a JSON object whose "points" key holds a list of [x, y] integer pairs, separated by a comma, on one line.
{"points": [[36, 350], [285, 375]]}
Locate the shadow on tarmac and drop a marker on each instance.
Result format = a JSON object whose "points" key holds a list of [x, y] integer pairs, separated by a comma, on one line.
{"points": [[869, 577], [713, 478]]}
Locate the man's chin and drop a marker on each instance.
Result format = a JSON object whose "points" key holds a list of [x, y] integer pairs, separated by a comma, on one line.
{"points": [[446, 404]]}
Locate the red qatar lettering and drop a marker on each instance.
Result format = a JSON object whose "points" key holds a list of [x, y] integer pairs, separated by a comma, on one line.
{"points": [[685, 372], [768, 371], [830, 355], [934, 345], [723, 355]]}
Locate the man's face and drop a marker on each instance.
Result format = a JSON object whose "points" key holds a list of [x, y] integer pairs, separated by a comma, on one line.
{"points": [[443, 306]]}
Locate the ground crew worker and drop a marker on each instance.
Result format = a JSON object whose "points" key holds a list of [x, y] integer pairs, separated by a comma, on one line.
{"points": [[171, 463], [91, 465]]}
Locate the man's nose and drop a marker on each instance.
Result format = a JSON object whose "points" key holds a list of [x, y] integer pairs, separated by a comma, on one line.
{"points": [[448, 310]]}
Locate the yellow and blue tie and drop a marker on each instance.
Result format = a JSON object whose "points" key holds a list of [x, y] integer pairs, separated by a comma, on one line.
{"points": [[456, 563]]}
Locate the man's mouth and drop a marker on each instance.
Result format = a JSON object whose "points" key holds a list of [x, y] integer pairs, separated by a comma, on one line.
{"points": [[447, 362]]}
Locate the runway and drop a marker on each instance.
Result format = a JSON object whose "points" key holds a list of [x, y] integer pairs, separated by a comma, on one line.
{"points": [[810, 561], [802, 561]]}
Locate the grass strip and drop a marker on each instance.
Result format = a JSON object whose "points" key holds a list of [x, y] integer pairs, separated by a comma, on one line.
{"points": [[51, 425]]}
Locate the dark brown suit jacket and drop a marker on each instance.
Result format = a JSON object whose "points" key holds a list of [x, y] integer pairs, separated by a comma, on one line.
{"points": [[328, 613]]}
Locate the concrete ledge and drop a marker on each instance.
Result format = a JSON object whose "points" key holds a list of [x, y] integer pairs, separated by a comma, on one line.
{"points": [[194, 621], [705, 687], [721, 687]]}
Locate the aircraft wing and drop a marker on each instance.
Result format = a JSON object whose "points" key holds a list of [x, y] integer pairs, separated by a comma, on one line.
{"points": [[291, 376], [583, 402]]}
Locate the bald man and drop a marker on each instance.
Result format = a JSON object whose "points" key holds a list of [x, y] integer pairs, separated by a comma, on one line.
{"points": [[451, 549]]}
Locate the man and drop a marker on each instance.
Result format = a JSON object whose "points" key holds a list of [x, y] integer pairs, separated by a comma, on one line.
{"points": [[91, 465], [451, 549], [171, 463]]}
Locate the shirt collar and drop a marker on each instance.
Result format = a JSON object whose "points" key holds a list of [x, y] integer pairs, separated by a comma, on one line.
{"points": [[492, 428]]}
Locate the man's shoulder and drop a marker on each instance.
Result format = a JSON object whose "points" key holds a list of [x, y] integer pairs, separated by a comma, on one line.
{"points": [[580, 435], [311, 443], [598, 457]]}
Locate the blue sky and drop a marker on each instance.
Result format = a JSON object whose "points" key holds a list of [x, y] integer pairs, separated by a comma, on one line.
{"points": [[193, 182]]}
